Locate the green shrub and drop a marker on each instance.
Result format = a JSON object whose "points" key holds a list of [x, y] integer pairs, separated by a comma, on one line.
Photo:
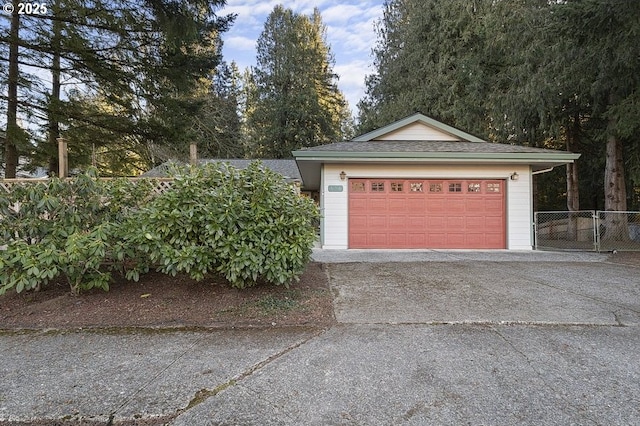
{"points": [[65, 227], [247, 225]]}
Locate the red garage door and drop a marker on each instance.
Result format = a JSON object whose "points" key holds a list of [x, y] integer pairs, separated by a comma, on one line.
{"points": [[396, 213]]}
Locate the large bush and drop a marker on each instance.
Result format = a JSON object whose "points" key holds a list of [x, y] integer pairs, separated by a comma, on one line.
{"points": [[65, 228], [247, 225]]}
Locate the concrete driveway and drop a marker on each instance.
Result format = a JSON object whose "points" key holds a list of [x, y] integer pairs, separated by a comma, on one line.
{"points": [[449, 338], [423, 338], [482, 287]]}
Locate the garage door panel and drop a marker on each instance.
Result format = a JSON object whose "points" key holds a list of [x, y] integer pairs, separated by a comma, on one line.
{"points": [[416, 204], [436, 206], [475, 205], [417, 240], [474, 223], [454, 222], [358, 223], [377, 240], [495, 241], [436, 222], [416, 223], [398, 240], [455, 205], [437, 240], [455, 240], [496, 206], [358, 205], [358, 239], [397, 205], [377, 204], [398, 223], [377, 221], [437, 214]]}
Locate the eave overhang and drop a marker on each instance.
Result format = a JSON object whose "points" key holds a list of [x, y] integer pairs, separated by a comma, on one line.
{"points": [[310, 162]]}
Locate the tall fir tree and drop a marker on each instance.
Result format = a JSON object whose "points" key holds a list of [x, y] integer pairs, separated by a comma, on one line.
{"points": [[546, 74], [297, 102], [138, 59]]}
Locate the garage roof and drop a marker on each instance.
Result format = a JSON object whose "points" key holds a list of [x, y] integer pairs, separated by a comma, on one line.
{"points": [[422, 140]]}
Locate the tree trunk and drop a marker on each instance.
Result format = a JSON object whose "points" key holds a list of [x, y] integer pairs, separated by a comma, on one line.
{"points": [[573, 192], [615, 192], [13, 131], [54, 100]]}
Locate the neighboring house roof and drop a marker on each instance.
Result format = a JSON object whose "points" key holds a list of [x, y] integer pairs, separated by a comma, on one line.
{"points": [[287, 168], [420, 139]]}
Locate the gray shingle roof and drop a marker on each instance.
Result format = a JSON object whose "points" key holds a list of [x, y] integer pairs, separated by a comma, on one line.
{"points": [[287, 168], [425, 146]]}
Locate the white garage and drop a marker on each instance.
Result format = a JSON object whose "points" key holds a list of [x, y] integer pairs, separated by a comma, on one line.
{"points": [[421, 184]]}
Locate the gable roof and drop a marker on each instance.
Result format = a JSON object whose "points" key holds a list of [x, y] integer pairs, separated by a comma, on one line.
{"points": [[454, 147], [427, 122]]}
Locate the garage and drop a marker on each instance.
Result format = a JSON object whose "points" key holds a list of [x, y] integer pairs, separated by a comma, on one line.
{"points": [[420, 213], [419, 183]]}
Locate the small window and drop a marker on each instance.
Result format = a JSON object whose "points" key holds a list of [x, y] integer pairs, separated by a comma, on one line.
{"points": [[377, 186], [416, 187], [357, 186], [493, 188], [435, 187], [397, 186], [455, 187], [473, 187]]}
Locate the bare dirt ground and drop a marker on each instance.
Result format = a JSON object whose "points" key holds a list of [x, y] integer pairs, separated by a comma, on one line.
{"points": [[162, 301]]}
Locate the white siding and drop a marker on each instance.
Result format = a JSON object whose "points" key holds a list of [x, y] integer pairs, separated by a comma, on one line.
{"points": [[518, 197], [417, 132]]}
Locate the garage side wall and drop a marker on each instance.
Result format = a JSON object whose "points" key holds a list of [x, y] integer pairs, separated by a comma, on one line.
{"points": [[335, 196]]}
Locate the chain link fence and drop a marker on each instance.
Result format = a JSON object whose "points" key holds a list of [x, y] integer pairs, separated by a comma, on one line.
{"points": [[587, 230]]}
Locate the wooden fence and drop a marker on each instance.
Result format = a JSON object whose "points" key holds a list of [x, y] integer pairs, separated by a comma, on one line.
{"points": [[160, 185]]}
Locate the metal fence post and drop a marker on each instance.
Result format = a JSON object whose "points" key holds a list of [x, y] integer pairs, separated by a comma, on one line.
{"points": [[596, 231]]}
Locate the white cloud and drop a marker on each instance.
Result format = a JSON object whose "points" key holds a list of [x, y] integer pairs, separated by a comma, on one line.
{"points": [[240, 43]]}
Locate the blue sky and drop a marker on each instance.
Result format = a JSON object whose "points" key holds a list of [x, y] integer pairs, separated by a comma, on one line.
{"points": [[350, 34]]}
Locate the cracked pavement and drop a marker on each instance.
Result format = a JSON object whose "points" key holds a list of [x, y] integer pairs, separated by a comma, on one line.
{"points": [[456, 338]]}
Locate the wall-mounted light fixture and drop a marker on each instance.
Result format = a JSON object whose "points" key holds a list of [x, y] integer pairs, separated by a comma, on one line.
{"points": [[515, 176], [343, 175]]}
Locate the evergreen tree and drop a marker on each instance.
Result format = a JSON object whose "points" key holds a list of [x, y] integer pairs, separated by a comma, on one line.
{"points": [[297, 102], [546, 74], [139, 57], [426, 60]]}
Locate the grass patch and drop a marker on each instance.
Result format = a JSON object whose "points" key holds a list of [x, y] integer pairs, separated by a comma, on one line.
{"points": [[272, 304]]}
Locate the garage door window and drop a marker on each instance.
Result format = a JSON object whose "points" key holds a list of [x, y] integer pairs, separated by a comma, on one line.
{"points": [[377, 186], [474, 187], [397, 187], [416, 187], [455, 187], [435, 187], [357, 186], [493, 188]]}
